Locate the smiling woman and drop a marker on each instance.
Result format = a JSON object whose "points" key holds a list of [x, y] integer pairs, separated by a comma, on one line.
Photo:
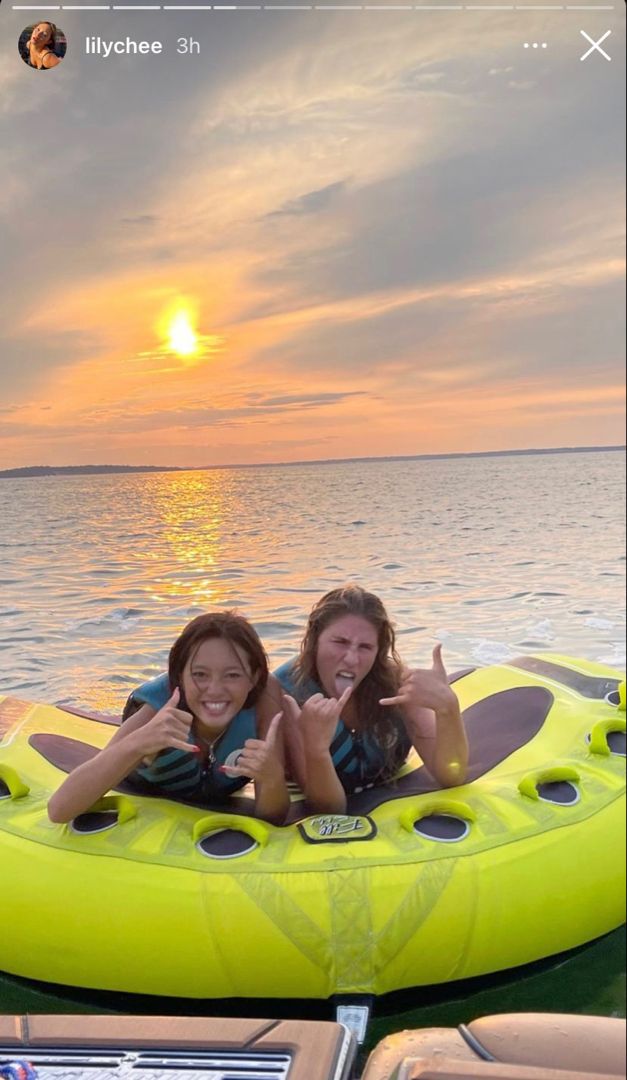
{"points": [[202, 731]]}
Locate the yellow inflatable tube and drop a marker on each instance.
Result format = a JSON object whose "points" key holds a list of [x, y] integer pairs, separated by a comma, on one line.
{"points": [[413, 886]]}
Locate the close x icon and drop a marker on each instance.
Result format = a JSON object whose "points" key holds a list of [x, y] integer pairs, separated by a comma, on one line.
{"points": [[595, 46]]}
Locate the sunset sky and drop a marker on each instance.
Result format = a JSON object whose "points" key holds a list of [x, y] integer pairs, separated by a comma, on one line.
{"points": [[330, 235]]}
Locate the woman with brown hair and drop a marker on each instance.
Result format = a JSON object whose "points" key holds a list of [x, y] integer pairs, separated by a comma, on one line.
{"points": [[200, 732], [42, 46], [356, 710]]}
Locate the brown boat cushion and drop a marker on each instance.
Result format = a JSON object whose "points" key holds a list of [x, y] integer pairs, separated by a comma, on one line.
{"points": [[588, 1043]]}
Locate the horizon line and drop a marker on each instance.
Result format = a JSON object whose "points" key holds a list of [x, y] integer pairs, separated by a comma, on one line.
{"points": [[25, 469]]}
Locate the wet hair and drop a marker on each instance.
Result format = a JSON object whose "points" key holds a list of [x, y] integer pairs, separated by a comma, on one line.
{"points": [[383, 679], [226, 626]]}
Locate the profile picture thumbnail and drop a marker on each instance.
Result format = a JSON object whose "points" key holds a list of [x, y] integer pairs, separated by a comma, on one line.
{"points": [[42, 45]]}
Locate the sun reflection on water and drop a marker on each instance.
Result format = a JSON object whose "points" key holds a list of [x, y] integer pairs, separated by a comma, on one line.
{"points": [[191, 508], [453, 561]]}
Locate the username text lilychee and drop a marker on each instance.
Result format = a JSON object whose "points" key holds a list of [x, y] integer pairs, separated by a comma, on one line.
{"points": [[97, 46]]}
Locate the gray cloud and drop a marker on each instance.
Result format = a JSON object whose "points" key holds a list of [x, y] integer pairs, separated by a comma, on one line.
{"points": [[27, 359], [488, 181], [141, 220], [315, 401], [211, 417], [124, 419], [453, 221], [535, 333], [311, 203]]}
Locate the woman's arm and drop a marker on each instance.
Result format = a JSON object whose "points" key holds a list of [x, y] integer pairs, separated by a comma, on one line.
{"points": [[283, 683], [261, 761], [135, 720], [143, 734], [433, 720], [316, 725], [440, 739], [294, 743], [90, 781], [324, 792], [272, 800]]}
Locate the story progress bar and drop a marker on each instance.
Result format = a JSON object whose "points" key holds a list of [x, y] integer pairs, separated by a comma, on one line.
{"points": [[313, 7]]}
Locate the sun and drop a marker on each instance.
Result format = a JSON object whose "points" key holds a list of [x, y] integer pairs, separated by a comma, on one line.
{"points": [[182, 338]]}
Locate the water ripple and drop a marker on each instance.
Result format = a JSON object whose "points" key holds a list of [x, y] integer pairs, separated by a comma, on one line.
{"points": [[90, 606]]}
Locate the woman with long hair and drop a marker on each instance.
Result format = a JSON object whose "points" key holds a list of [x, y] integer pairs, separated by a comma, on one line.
{"points": [[356, 709], [199, 732], [42, 46]]}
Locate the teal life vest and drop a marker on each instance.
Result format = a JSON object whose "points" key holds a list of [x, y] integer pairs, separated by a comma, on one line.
{"points": [[175, 772], [359, 759]]}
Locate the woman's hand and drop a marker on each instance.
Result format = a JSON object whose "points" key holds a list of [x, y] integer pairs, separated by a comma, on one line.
{"points": [[260, 759], [168, 729], [319, 717], [142, 736], [310, 732], [426, 688], [296, 762], [430, 711]]}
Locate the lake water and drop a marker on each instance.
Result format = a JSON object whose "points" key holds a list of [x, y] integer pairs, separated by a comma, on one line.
{"points": [[493, 556]]}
